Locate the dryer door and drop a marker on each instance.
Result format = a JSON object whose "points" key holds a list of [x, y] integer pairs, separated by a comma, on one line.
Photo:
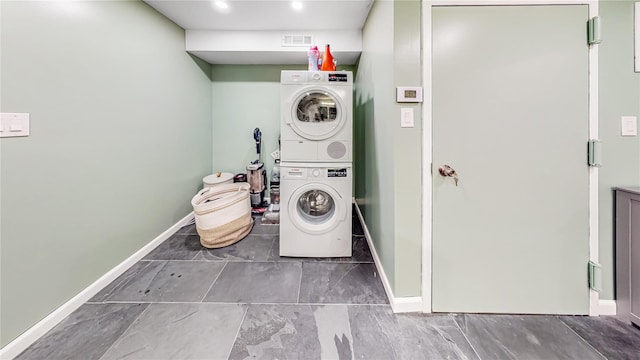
{"points": [[316, 208], [316, 113]]}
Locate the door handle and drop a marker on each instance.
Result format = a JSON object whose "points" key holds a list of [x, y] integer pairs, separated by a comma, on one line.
{"points": [[447, 171]]}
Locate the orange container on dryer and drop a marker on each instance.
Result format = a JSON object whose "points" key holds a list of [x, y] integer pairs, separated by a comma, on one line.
{"points": [[328, 63]]}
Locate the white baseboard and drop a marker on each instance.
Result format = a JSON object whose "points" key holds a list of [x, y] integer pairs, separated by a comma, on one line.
{"points": [[398, 304], [607, 307], [407, 304], [27, 338]]}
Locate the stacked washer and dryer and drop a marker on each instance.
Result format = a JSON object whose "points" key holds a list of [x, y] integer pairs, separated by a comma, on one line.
{"points": [[316, 163]]}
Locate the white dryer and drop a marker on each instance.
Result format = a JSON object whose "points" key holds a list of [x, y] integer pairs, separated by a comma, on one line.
{"points": [[316, 116], [315, 209]]}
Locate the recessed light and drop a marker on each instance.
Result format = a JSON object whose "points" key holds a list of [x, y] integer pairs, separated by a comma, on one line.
{"points": [[222, 4], [296, 5]]}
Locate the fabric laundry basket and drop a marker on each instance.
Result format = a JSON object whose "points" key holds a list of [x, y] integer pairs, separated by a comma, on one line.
{"points": [[223, 214]]}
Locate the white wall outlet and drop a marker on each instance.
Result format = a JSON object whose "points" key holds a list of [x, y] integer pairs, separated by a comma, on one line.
{"points": [[14, 124], [629, 126]]}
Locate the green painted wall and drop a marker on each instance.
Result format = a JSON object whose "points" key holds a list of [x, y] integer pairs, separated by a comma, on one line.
{"points": [[120, 139], [245, 97], [374, 133], [619, 96], [407, 162], [388, 158]]}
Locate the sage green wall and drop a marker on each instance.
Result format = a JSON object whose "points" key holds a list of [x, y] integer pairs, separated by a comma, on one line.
{"points": [[245, 97], [374, 133], [619, 96], [120, 139], [388, 158], [407, 41]]}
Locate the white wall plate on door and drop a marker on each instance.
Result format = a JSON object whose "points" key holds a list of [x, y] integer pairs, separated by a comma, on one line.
{"points": [[14, 124]]}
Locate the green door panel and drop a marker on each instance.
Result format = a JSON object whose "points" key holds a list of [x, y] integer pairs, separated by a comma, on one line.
{"points": [[510, 115]]}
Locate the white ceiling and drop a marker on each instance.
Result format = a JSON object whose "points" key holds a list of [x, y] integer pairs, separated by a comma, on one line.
{"points": [[265, 14]]}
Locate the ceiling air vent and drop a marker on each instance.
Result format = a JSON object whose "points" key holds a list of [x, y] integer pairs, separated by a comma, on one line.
{"points": [[297, 40]]}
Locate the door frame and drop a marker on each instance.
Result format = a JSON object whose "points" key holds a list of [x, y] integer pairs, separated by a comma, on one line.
{"points": [[427, 133]]}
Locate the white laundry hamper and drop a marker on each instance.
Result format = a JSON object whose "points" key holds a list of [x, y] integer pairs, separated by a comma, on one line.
{"points": [[223, 214]]}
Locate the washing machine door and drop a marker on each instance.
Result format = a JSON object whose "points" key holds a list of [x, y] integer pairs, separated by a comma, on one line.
{"points": [[316, 113], [316, 208]]}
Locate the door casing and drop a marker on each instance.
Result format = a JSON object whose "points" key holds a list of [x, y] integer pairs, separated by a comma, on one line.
{"points": [[427, 143]]}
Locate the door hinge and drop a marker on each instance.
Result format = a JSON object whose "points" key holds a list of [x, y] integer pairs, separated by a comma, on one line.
{"points": [[595, 276], [594, 31], [594, 153]]}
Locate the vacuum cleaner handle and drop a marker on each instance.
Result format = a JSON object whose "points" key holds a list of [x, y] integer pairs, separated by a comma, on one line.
{"points": [[257, 136]]}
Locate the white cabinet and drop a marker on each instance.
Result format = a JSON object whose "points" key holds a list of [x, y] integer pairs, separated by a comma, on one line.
{"points": [[628, 254]]}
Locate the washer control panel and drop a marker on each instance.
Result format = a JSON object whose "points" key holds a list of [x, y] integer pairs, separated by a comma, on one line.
{"points": [[304, 173]]}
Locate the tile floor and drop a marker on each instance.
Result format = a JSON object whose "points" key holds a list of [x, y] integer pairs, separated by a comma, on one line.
{"points": [[246, 302]]}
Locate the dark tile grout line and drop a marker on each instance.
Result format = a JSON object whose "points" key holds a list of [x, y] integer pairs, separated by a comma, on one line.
{"points": [[580, 337]]}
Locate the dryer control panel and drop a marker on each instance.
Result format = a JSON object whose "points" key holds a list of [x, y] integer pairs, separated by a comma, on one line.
{"points": [[335, 78]]}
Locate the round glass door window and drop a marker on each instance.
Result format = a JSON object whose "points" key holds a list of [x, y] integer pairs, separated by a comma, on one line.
{"points": [[317, 107], [316, 206]]}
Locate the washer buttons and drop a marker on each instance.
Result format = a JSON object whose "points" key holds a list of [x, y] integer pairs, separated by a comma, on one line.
{"points": [[315, 172], [316, 76]]}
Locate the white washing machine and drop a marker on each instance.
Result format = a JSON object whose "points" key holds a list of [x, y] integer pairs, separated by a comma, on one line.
{"points": [[316, 116], [315, 209]]}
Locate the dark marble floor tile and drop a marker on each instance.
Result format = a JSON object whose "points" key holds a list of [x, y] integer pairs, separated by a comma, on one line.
{"points": [[523, 337], [360, 254], [251, 248], [380, 334], [361, 250], [294, 332], [264, 229], [611, 337], [277, 332], [356, 226], [177, 247], [85, 334], [165, 281], [341, 284], [180, 331], [257, 282], [188, 229]]}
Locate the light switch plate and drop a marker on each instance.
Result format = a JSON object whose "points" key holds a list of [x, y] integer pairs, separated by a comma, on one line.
{"points": [[406, 117], [629, 126], [14, 124]]}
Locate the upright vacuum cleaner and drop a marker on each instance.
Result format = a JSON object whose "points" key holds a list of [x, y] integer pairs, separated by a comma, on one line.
{"points": [[257, 175]]}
